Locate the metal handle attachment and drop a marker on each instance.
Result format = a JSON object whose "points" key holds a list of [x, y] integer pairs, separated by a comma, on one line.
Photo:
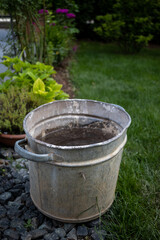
{"points": [[30, 155]]}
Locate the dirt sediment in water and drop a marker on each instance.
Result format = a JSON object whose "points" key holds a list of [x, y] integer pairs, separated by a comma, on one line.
{"points": [[73, 135]]}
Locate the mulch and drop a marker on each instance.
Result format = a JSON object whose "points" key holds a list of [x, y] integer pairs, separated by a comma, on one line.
{"points": [[62, 77]]}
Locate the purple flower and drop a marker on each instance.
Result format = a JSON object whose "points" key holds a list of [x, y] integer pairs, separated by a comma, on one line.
{"points": [[70, 15], [59, 10], [41, 11], [64, 10], [75, 48], [65, 27], [52, 24], [33, 23]]}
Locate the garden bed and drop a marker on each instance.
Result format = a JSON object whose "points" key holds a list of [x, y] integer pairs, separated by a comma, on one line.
{"points": [[62, 77]]}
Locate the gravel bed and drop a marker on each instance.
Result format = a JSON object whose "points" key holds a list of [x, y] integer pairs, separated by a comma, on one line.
{"points": [[20, 219]]}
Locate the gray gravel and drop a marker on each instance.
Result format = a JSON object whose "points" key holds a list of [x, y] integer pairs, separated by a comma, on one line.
{"points": [[20, 219]]}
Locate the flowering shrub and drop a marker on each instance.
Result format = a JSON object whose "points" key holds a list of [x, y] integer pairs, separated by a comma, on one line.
{"points": [[70, 15], [59, 10], [60, 32], [42, 11]]}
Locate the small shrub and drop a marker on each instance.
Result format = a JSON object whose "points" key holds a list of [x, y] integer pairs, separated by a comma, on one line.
{"points": [[129, 24], [60, 33], [14, 105], [36, 78]]}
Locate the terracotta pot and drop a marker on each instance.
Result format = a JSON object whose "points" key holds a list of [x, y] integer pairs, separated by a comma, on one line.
{"points": [[9, 139]]}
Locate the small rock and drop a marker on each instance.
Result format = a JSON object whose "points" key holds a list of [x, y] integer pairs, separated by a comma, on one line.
{"points": [[51, 236], [82, 231], [41, 218], [9, 176], [72, 234], [15, 155], [20, 160], [2, 190], [95, 236], [68, 227], [4, 224], [27, 187], [15, 204], [26, 178], [91, 231], [2, 212], [99, 235], [14, 212], [14, 164], [55, 223], [7, 153], [18, 186], [11, 234], [26, 236], [27, 165], [4, 197], [34, 223], [47, 225], [60, 232], [23, 172], [29, 214], [18, 224], [16, 192], [24, 197], [29, 202], [8, 185], [17, 180], [37, 233], [15, 174], [94, 223]]}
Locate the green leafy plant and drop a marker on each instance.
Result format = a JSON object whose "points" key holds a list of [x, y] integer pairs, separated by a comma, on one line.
{"points": [[33, 30], [23, 15], [14, 105], [36, 78], [129, 24], [60, 33], [28, 225], [109, 27]]}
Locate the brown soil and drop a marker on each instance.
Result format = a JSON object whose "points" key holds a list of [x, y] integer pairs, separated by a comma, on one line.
{"points": [[78, 135], [62, 77]]}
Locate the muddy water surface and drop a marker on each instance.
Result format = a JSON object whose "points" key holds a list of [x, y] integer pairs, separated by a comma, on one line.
{"points": [[81, 135]]}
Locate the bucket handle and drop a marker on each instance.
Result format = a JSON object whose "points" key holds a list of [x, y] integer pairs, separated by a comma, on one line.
{"points": [[30, 155]]}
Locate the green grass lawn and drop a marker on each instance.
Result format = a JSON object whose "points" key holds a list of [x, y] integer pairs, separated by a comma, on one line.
{"points": [[102, 73]]}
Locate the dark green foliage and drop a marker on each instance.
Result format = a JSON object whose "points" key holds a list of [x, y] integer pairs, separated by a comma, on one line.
{"points": [[130, 24], [72, 5], [46, 36], [60, 33], [14, 105], [88, 10], [24, 14]]}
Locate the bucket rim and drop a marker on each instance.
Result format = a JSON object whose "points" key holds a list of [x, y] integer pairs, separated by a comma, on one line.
{"points": [[53, 146]]}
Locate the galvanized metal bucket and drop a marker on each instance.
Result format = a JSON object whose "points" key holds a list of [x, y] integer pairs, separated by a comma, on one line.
{"points": [[73, 183]]}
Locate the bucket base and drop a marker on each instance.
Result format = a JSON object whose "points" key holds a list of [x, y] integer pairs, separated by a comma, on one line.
{"points": [[72, 220]]}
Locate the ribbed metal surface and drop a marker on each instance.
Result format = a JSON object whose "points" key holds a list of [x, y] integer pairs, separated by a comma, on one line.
{"points": [[79, 184]]}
